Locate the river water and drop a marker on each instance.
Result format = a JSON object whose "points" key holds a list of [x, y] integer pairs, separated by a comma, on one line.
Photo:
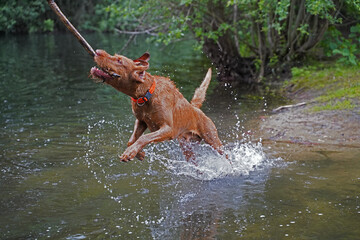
{"points": [[60, 176]]}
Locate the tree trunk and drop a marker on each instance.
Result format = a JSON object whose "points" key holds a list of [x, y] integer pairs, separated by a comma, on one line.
{"points": [[224, 52], [231, 67]]}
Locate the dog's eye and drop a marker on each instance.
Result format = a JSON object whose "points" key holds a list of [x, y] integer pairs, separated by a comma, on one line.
{"points": [[119, 61]]}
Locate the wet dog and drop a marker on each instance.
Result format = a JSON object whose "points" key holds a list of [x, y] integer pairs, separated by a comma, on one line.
{"points": [[157, 105]]}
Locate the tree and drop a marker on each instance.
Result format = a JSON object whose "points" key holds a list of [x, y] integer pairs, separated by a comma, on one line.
{"points": [[27, 16], [21, 16], [245, 39]]}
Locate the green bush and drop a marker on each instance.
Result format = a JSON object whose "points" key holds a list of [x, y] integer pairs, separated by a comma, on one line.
{"points": [[48, 25], [335, 44], [22, 16]]}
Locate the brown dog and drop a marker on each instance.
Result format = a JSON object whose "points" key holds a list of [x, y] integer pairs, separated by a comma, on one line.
{"points": [[157, 105]]}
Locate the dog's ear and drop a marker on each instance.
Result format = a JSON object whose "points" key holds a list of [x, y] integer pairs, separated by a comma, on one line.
{"points": [[145, 57], [142, 63]]}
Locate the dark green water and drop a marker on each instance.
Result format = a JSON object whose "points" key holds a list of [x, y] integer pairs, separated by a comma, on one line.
{"points": [[60, 177]]}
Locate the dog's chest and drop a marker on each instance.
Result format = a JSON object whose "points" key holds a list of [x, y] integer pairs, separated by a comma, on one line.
{"points": [[150, 118]]}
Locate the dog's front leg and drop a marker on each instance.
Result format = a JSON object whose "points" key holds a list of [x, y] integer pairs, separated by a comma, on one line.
{"points": [[139, 129], [164, 133]]}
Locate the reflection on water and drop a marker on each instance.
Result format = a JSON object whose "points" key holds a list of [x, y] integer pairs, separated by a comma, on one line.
{"points": [[60, 176]]}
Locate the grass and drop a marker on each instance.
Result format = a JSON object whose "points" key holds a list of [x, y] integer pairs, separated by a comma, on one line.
{"points": [[335, 105], [338, 86]]}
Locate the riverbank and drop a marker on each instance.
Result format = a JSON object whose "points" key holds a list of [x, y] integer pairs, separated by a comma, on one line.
{"points": [[324, 113]]}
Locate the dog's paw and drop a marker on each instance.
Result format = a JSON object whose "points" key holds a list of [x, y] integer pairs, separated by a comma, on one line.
{"points": [[129, 154], [124, 158], [140, 155]]}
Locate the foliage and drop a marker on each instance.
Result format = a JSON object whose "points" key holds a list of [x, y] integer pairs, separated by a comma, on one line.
{"points": [[335, 105], [48, 25], [22, 16], [243, 38], [341, 84], [270, 32], [335, 43], [102, 19], [36, 16]]}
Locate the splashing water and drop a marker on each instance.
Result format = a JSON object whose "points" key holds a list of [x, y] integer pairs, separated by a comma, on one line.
{"points": [[243, 158], [167, 179]]}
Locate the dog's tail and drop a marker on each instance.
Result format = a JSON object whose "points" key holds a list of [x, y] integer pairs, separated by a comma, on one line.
{"points": [[200, 92]]}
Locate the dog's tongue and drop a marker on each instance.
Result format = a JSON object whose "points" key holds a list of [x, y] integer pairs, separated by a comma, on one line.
{"points": [[98, 73]]}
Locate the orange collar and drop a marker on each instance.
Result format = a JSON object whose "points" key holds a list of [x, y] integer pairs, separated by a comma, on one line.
{"points": [[142, 100]]}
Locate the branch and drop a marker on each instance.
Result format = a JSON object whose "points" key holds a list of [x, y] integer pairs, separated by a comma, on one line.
{"points": [[148, 31], [235, 28], [133, 35], [319, 29], [289, 106], [262, 53], [293, 27]]}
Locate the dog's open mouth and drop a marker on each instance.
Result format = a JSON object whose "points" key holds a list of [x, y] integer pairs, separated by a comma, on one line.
{"points": [[100, 75]]}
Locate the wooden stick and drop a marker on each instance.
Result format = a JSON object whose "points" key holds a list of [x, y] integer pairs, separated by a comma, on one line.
{"points": [[289, 106], [72, 29]]}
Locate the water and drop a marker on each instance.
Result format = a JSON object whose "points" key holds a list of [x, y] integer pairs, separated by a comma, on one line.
{"points": [[61, 177]]}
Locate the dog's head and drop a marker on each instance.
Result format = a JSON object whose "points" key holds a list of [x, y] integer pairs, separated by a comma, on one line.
{"points": [[119, 71]]}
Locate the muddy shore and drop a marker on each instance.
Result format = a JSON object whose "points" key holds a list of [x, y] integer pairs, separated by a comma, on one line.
{"points": [[300, 131]]}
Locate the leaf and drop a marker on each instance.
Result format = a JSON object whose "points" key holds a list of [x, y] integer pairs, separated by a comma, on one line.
{"points": [[352, 59], [185, 2]]}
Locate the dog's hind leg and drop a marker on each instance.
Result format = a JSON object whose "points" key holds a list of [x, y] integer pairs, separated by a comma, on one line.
{"points": [[210, 135], [187, 151]]}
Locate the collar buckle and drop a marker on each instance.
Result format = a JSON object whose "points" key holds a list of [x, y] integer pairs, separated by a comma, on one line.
{"points": [[140, 102]]}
